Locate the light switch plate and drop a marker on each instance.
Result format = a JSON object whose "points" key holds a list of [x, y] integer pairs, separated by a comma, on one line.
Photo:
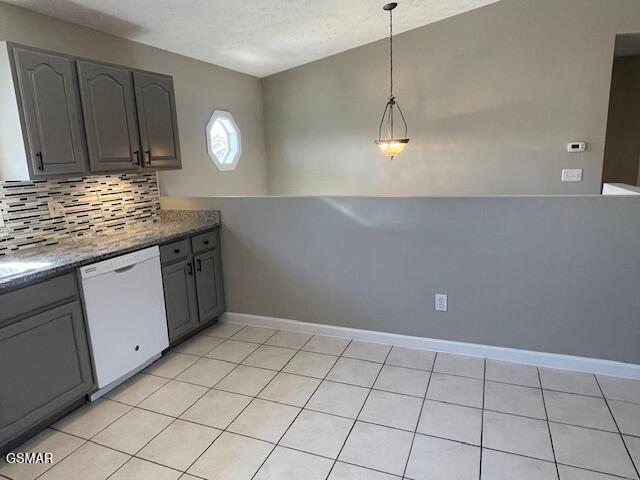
{"points": [[441, 302], [571, 174]]}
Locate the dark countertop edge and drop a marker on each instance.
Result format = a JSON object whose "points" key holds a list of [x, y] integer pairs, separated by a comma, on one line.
{"points": [[27, 278]]}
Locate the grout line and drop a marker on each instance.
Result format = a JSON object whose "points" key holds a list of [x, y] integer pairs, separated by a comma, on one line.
{"points": [[131, 457], [606, 401], [484, 391], [140, 449], [305, 404], [553, 450], [304, 376], [399, 477], [301, 409], [415, 432], [360, 411], [241, 411], [86, 440], [147, 396], [150, 440], [612, 475], [175, 419]]}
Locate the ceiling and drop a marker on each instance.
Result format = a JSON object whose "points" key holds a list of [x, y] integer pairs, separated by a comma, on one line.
{"points": [[257, 37]]}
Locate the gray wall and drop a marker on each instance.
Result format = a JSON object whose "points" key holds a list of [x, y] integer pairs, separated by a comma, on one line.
{"points": [[622, 149], [200, 88], [492, 97], [552, 274]]}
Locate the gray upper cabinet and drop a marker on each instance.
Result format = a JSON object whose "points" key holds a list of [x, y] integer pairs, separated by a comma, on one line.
{"points": [[63, 116], [158, 122], [51, 113], [110, 120]]}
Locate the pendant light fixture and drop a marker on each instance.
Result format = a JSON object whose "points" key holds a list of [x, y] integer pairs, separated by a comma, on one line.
{"points": [[389, 144]]}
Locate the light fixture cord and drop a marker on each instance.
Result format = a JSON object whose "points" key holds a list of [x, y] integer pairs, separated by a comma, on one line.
{"points": [[391, 53]]}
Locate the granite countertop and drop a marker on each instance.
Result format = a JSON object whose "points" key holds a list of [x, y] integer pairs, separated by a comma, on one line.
{"points": [[38, 263]]}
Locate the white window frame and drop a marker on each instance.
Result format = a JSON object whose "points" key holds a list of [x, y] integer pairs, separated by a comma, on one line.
{"points": [[230, 125]]}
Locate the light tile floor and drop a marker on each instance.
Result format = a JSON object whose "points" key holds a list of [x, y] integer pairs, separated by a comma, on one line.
{"points": [[240, 402]]}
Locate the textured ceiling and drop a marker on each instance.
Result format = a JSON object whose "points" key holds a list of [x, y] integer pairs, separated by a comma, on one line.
{"points": [[258, 37]]}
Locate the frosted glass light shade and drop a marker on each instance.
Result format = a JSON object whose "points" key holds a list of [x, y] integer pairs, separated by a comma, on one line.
{"points": [[392, 147]]}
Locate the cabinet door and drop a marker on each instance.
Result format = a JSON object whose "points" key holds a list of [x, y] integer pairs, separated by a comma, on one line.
{"points": [[110, 119], [51, 113], [157, 119], [46, 367], [180, 298], [209, 285]]}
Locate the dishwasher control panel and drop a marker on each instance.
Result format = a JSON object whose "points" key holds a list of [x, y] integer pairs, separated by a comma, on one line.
{"points": [[123, 261]]}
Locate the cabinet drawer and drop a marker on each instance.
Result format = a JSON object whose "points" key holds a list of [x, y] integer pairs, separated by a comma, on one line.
{"points": [[32, 298], [205, 241], [175, 251]]}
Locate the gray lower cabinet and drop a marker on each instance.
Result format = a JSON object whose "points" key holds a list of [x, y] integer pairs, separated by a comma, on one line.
{"points": [[180, 298], [45, 360], [193, 286], [110, 120], [52, 117], [209, 285], [158, 120]]}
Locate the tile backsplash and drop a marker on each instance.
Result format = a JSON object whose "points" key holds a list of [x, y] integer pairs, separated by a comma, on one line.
{"points": [[88, 205]]}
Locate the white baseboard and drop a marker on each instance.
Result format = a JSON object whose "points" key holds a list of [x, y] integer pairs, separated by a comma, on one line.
{"points": [[539, 359]]}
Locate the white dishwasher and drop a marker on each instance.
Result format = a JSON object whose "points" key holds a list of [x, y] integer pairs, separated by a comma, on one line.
{"points": [[126, 317]]}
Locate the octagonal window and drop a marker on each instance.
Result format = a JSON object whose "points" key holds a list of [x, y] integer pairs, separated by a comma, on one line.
{"points": [[223, 140]]}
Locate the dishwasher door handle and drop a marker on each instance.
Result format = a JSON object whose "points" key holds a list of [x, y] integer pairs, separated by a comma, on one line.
{"points": [[125, 269]]}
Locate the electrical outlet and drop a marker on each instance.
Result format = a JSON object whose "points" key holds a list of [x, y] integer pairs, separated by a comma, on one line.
{"points": [[441, 302], [576, 147], [56, 210], [571, 174]]}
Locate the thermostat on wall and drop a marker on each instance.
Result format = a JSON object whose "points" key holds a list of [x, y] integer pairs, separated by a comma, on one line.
{"points": [[575, 147]]}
